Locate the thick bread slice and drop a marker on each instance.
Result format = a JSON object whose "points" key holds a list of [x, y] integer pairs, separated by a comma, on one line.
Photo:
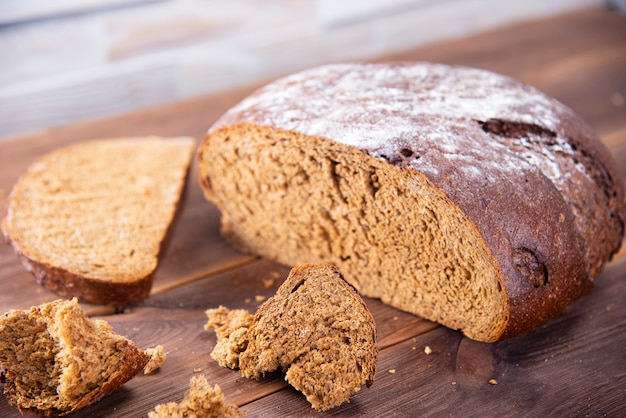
{"points": [[56, 360], [88, 220], [316, 329], [457, 194]]}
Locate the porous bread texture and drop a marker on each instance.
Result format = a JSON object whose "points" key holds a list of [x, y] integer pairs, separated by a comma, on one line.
{"points": [[200, 401], [231, 328], [316, 329], [89, 219], [57, 361], [459, 195]]}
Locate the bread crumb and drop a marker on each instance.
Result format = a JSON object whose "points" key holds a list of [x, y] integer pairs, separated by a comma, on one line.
{"points": [[493, 382], [395, 318], [231, 329], [392, 371], [201, 400], [453, 383], [259, 298], [268, 283], [157, 357], [428, 350], [247, 301], [197, 370]]}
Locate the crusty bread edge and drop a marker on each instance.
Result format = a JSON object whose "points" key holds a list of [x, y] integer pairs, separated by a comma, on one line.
{"points": [[136, 361], [68, 284]]}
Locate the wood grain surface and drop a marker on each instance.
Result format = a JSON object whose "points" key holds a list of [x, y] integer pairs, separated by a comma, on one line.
{"points": [[575, 365]]}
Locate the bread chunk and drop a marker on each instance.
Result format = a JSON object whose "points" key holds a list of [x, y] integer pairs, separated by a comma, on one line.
{"points": [[200, 401], [456, 194], [231, 328], [316, 329], [56, 360], [89, 220], [157, 358]]}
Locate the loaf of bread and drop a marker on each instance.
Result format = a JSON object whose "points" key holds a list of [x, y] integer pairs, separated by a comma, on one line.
{"points": [[316, 329], [200, 401], [56, 360], [457, 194], [89, 220]]}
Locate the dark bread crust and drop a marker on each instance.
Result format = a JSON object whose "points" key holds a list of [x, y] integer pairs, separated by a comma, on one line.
{"points": [[68, 284], [134, 362], [534, 179]]}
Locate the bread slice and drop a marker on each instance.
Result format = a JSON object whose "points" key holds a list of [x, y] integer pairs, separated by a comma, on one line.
{"points": [[88, 220], [56, 360], [200, 401], [457, 194], [316, 329]]}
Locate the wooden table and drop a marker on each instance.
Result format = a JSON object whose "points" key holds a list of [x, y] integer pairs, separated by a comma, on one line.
{"points": [[575, 365]]}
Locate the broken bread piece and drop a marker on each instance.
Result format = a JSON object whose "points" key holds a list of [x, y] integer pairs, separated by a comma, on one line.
{"points": [[56, 360], [88, 220], [316, 329], [231, 329], [200, 401]]}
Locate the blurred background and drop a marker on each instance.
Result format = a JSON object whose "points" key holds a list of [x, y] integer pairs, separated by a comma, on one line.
{"points": [[68, 60]]}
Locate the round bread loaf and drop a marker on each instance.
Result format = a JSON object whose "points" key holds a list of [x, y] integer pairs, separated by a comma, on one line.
{"points": [[457, 194]]}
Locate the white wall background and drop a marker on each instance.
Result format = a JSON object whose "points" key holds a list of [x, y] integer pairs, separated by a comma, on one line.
{"points": [[68, 60]]}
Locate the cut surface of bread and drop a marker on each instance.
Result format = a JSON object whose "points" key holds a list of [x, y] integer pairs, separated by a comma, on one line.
{"points": [[316, 329], [88, 220], [200, 401], [56, 360], [457, 194]]}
